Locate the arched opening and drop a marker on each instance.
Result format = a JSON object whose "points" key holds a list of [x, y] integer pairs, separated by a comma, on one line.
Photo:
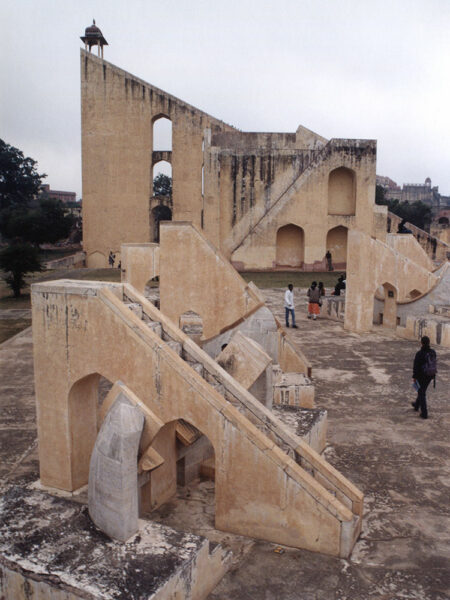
{"points": [[85, 400], [159, 213], [162, 180], [290, 246], [189, 460], [443, 220], [96, 260], [192, 325], [162, 134], [389, 317], [341, 192], [336, 243]]}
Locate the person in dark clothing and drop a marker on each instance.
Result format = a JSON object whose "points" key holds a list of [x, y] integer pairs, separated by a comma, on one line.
{"points": [[339, 286], [329, 261], [422, 375], [402, 227]]}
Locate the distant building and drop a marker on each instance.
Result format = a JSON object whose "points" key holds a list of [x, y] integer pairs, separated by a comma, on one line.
{"points": [[413, 192], [65, 197]]}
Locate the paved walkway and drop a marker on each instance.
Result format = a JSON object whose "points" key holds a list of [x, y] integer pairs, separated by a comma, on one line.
{"points": [[401, 462]]}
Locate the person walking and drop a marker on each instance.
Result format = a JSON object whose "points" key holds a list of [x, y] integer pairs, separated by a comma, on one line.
{"points": [[424, 371], [314, 301], [289, 306]]}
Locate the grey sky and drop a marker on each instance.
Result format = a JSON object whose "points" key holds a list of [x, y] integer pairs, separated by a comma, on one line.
{"points": [[343, 68]]}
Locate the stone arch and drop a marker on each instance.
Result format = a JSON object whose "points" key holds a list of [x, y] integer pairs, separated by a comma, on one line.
{"points": [[161, 212], [290, 246], [162, 133], [443, 221], [336, 243], [161, 167], [96, 260], [342, 192], [188, 455], [84, 403]]}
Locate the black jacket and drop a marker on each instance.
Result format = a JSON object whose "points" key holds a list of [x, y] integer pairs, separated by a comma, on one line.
{"points": [[419, 361]]}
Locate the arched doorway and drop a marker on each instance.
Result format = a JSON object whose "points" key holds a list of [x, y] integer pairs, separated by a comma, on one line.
{"points": [[390, 306], [86, 397], [96, 260], [160, 213], [290, 250], [336, 243], [341, 192], [189, 459]]}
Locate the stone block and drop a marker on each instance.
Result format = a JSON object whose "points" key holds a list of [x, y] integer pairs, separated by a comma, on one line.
{"points": [[113, 488], [293, 389], [50, 549]]}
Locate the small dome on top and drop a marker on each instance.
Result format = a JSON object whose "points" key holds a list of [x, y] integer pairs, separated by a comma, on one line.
{"points": [[93, 30], [428, 181], [94, 37]]}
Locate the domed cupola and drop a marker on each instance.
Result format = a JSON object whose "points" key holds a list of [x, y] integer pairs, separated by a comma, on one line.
{"points": [[94, 37]]}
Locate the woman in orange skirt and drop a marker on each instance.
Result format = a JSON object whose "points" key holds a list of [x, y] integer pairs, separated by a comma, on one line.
{"points": [[314, 299]]}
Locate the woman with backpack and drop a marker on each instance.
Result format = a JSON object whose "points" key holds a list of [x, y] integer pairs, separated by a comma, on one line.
{"points": [[424, 371], [314, 301]]}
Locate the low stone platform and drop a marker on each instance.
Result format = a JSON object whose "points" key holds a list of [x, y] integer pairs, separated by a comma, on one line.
{"points": [[435, 326], [49, 548], [308, 423]]}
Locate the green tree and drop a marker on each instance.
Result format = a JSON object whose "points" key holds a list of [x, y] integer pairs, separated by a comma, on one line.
{"points": [[19, 181], [27, 217], [379, 194], [17, 260], [417, 213], [162, 185]]}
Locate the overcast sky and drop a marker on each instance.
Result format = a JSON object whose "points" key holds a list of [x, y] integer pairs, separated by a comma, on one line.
{"points": [[343, 68]]}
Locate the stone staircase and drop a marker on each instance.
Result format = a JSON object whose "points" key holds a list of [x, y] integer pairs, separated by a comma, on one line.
{"points": [[250, 222], [261, 417], [437, 250]]}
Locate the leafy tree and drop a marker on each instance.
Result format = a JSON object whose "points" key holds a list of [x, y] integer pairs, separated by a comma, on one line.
{"points": [[19, 181], [417, 213], [380, 194], [19, 259], [27, 217], [162, 185]]}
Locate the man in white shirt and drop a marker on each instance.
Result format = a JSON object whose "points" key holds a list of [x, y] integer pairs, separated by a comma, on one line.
{"points": [[289, 305]]}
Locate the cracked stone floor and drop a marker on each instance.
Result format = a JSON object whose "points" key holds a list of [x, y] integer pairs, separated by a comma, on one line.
{"points": [[401, 463]]}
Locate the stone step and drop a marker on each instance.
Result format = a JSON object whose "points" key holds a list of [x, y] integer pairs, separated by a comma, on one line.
{"points": [[175, 346], [135, 307]]}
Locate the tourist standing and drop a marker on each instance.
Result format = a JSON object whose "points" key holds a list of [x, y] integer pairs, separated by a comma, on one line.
{"points": [[289, 305], [424, 371], [329, 261], [314, 301]]}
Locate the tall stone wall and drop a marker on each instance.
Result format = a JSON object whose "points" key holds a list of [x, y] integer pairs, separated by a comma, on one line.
{"points": [[238, 188], [117, 115]]}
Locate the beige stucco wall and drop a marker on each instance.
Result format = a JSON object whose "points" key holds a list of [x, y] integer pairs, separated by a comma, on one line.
{"points": [[117, 115], [196, 277], [372, 264], [253, 183], [306, 204], [140, 264], [83, 329]]}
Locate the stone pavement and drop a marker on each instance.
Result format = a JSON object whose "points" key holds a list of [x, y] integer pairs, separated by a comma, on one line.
{"points": [[399, 461]]}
